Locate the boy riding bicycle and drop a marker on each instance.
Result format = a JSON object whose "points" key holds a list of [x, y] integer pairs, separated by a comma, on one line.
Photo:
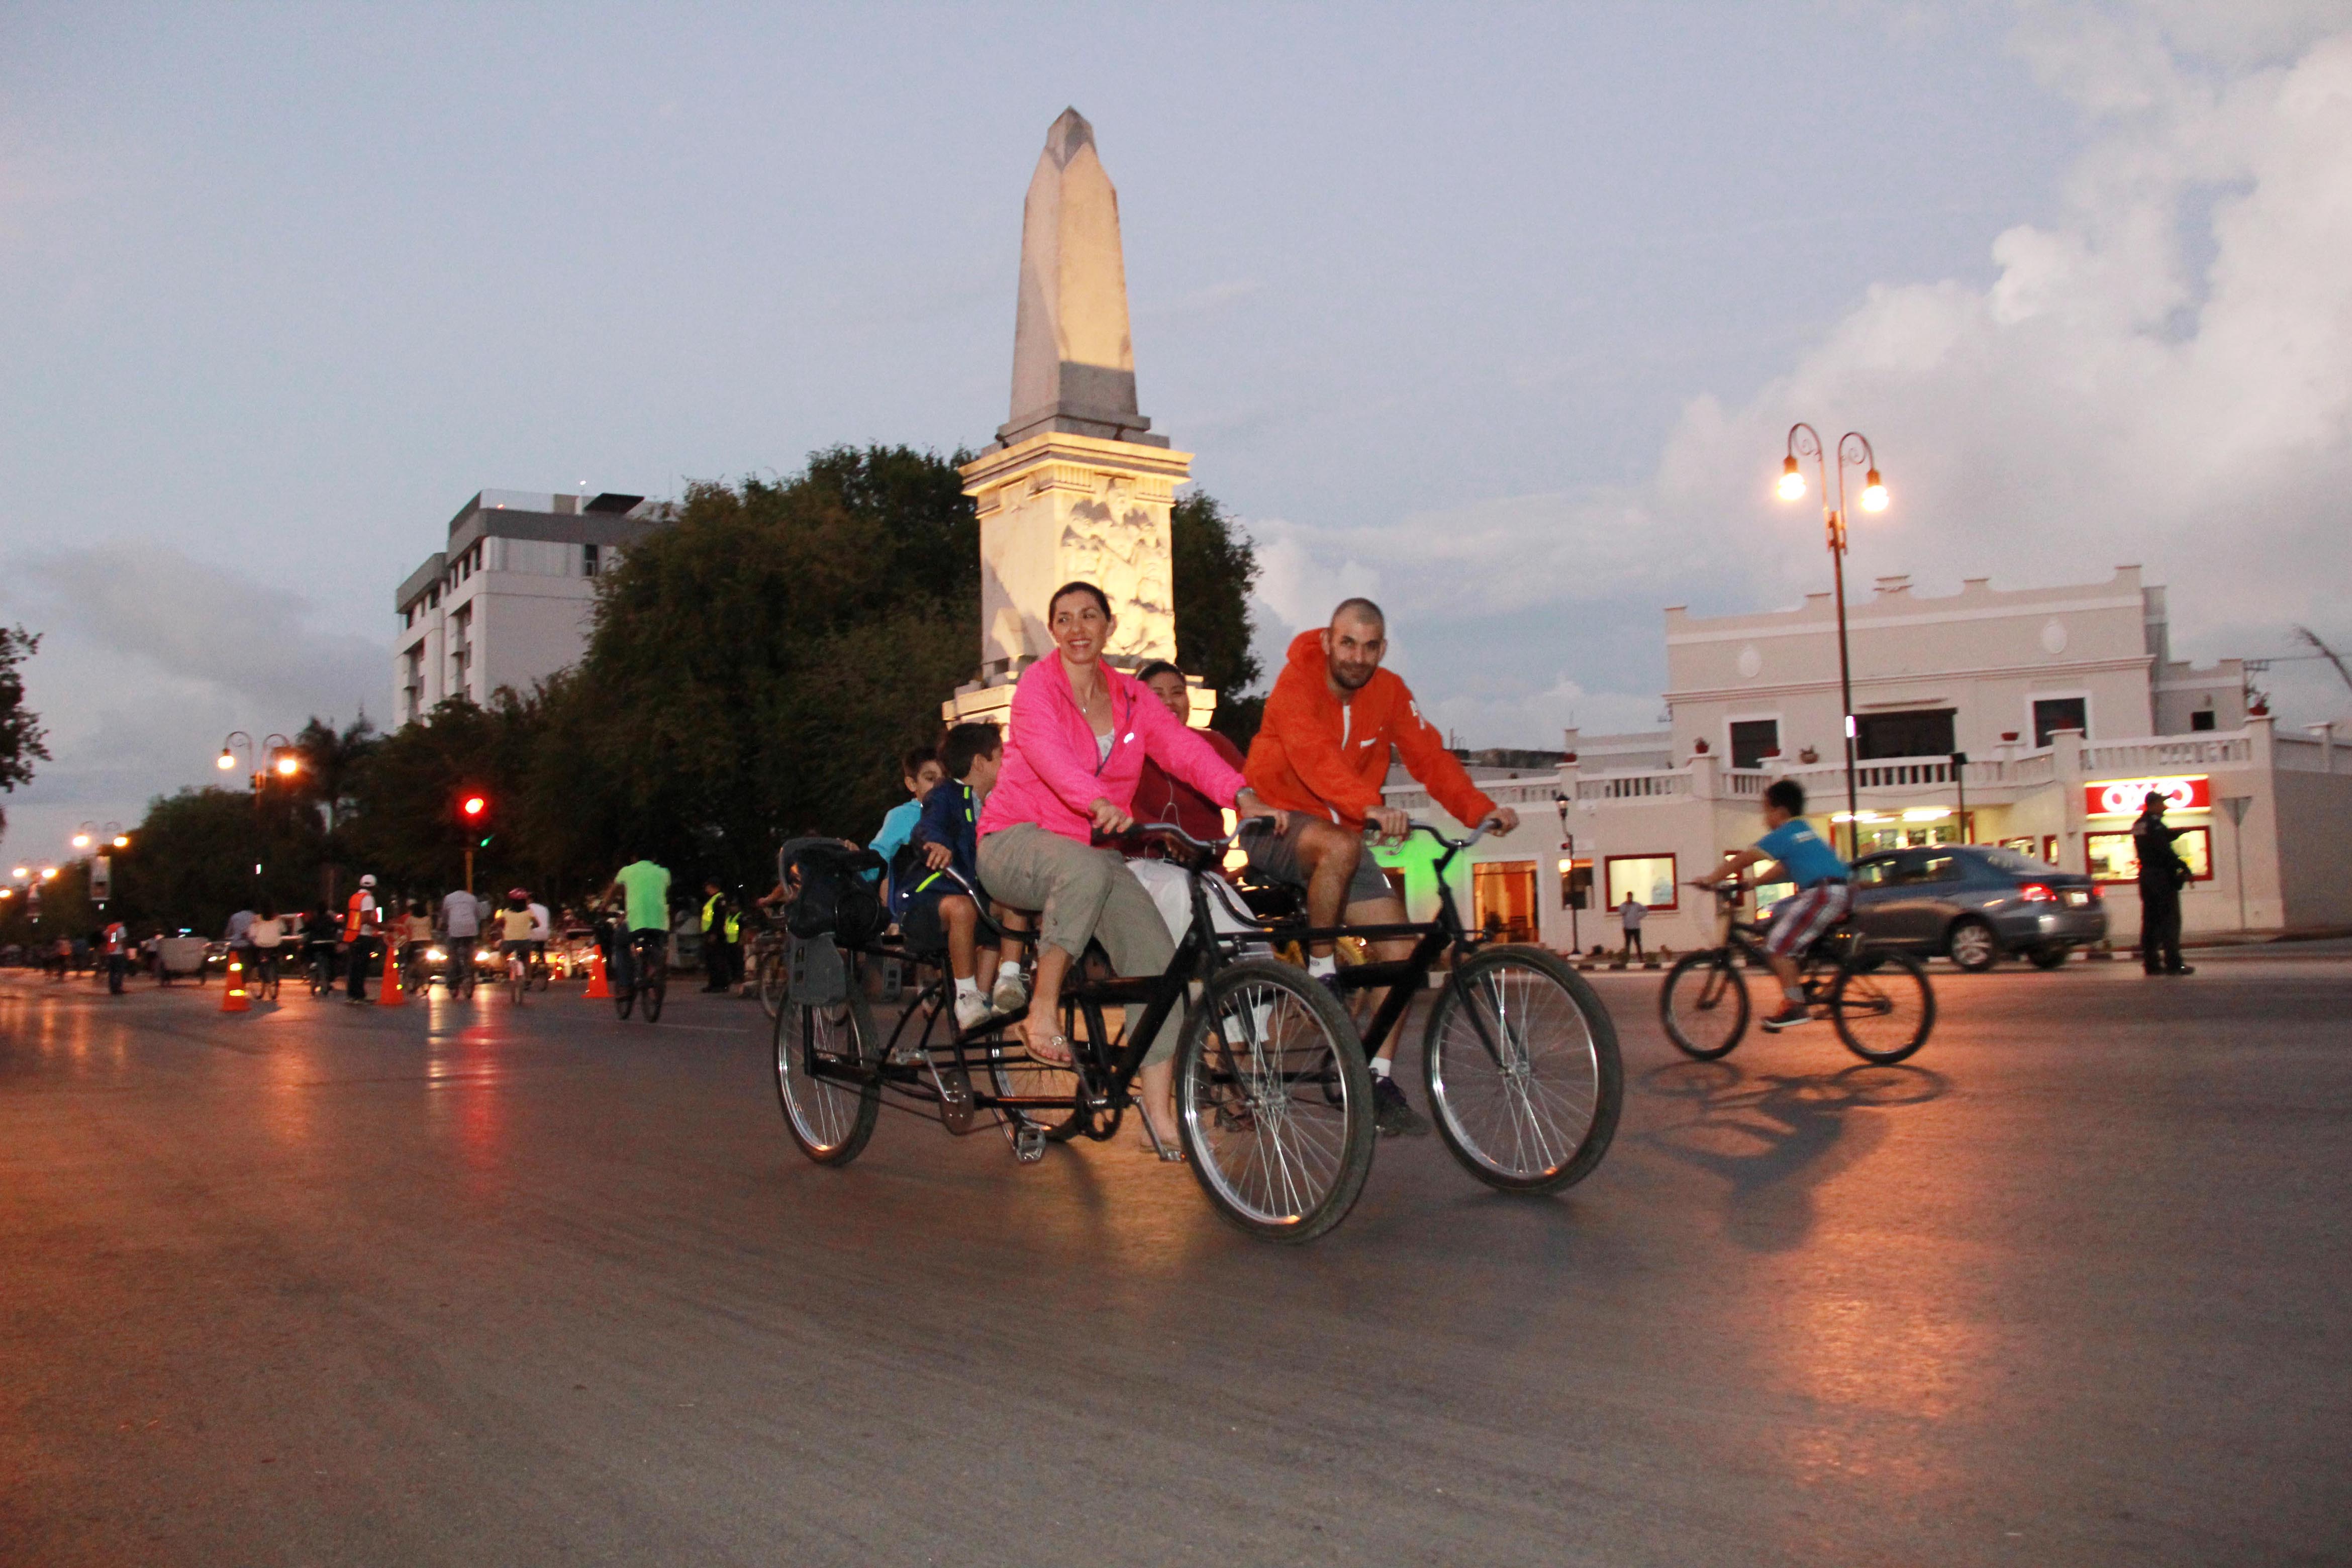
{"points": [[939, 912], [1823, 893]]}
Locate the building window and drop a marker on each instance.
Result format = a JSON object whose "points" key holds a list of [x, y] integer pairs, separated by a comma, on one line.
{"points": [[1920, 732], [2115, 858], [2201, 720], [1649, 878], [1753, 740], [587, 561], [2051, 714], [1503, 899]]}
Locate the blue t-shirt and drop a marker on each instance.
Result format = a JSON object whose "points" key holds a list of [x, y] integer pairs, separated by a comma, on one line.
{"points": [[1797, 847], [898, 826]]}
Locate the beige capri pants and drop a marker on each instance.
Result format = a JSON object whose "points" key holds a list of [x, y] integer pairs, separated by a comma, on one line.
{"points": [[1084, 892]]}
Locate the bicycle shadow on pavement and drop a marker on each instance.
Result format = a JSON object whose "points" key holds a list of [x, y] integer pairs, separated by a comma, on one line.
{"points": [[1775, 1137]]}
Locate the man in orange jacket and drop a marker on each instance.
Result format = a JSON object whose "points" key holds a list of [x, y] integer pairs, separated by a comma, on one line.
{"points": [[1322, 754]]}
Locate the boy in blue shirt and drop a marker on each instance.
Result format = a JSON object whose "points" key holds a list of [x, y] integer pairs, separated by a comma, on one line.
{"points": [[1822, 896], [922, 776], [938, 911]]}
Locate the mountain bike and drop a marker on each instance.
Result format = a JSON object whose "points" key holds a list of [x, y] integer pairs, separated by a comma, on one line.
{"points": [[1878, 998], [648, 952]]}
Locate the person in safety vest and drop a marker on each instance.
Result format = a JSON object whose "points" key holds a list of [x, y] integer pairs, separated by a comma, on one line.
{"points": [[718, 915], [361, 921]]}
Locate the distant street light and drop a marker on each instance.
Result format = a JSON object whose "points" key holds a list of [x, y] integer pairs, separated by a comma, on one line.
{"points": [[1853, 451], [81, 839]]}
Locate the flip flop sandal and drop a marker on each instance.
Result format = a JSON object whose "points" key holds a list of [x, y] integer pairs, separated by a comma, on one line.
{"points": [[1068, 1058]]}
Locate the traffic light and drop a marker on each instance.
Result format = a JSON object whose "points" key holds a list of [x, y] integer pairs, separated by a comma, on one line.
{"points": [[474, 815]]}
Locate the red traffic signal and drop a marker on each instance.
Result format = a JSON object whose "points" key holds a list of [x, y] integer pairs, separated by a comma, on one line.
{"points": [[475, 807]]}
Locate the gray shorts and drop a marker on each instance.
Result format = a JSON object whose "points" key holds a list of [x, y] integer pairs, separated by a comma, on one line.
{"points": [[1276, 855]]}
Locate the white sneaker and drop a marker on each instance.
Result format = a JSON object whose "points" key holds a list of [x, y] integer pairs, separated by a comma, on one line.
{"points": [[1009, 994], [971, 1009]]}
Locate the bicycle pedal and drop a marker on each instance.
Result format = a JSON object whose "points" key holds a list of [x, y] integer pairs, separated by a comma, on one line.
{"points": [[955, 1097], [1028, 1143]]}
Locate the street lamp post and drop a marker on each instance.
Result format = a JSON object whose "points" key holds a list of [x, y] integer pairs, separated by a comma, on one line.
{"points": [[1853, 450]]}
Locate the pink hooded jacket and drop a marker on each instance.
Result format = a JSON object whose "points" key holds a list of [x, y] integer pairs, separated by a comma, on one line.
{"points": [[1051, 773]]}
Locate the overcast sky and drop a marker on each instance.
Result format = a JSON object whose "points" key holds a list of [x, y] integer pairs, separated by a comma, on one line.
{"points": [[1499, 314]]}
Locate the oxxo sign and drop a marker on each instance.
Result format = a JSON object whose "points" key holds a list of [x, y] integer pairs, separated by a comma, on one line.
{"points": [[2122, 797]]}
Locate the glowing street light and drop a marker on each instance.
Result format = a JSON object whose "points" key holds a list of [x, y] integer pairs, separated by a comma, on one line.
{"points": [[225, 762], [48, 873], [123, 841], [288, 765], [1853, 451]]}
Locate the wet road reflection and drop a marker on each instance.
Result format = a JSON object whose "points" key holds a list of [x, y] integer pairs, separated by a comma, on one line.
{"points": [[539, 1286]]}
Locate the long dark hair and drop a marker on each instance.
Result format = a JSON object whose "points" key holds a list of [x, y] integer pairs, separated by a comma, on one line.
{"points": [[1101, 599]]}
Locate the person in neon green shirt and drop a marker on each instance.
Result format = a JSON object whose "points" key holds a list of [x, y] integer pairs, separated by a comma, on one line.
{"points": [[644, 889]]}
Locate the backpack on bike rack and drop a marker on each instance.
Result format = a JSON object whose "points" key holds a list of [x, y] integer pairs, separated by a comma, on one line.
{"points": [[835, 898]]}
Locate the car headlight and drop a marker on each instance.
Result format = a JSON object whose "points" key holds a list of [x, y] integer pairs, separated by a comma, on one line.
{"points": [[433, 955]]}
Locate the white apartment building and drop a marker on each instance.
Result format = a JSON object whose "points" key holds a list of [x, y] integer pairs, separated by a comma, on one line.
{"points": [[507, 601], [2034, 718]]}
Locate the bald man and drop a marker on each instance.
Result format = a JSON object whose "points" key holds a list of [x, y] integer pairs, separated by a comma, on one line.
{"points": [[1322, 754]]}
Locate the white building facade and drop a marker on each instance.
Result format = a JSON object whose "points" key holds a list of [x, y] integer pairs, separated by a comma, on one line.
{"points": [[2035, 718], [507, 602]]}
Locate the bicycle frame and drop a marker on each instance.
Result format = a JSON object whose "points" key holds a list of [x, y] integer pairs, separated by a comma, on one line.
{"points": [[1103, 1087]]}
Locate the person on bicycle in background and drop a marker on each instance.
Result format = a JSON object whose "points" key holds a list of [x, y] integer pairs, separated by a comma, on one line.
{"points": [[1322, 753], [515, 923], [543, 931], [461, 929], [642, 889], [1823, 893]]}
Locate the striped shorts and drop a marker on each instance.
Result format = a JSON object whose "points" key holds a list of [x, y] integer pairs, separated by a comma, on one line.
{"points": [[1804, 917]]}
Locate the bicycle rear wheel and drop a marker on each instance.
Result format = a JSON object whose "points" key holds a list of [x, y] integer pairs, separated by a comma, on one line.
{"points": [[1520, 1058], [1704, 1004], [1886, 1013], [829, 1118], [653, 970], [1275, 1153]]}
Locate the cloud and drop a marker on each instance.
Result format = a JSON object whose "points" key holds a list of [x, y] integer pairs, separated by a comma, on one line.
{"points": [[2161, 375], [148, 659]]}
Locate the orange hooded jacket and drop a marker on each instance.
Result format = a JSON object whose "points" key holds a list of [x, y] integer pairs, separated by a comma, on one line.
{"points": [[1315, 752]]}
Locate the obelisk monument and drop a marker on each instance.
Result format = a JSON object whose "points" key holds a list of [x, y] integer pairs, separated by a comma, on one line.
{"points": [[1074, 486]]}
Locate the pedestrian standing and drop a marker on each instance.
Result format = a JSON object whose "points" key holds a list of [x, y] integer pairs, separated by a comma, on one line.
{"points": [[2162, 875], [116, 941], [362, 919], [714, 936], [1630, 913]]}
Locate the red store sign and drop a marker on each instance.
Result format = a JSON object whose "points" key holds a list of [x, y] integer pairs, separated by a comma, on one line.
{"points": [[2122, 797]]}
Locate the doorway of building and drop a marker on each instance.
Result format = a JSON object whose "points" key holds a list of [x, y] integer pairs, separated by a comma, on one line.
{"points": [[1503, 892]]}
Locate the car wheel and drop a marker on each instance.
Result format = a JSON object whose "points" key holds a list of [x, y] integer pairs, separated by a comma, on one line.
{"points": [[2049, 957], [1973, 946]]}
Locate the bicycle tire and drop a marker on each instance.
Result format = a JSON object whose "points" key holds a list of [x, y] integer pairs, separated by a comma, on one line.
{"points": [[1894, 991], [656, 987], [1686, 1007], [830, 1121], [1542, 1118], [1276, 1161]]}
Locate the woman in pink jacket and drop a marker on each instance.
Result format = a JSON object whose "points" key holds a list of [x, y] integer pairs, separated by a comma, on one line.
{"points": [[1080, 733]]}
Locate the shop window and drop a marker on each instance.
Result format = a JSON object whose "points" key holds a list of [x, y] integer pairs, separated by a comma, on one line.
{"points": [[2201, 720], [1503, 898], [2051, 714], [1649, 878], [1753, 740], [1919, 732], [2113, 857]]}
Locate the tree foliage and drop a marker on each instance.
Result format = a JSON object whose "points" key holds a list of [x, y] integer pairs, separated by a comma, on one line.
{"points": [[1215, 568], [21, 736]]}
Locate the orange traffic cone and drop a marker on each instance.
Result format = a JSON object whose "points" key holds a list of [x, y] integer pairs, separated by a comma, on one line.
{"points": [[389, 995], [597, 990], [233, 994]]}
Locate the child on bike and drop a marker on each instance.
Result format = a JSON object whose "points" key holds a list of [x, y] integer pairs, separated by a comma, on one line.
{"points": [[1823, 896], [938, 911]]}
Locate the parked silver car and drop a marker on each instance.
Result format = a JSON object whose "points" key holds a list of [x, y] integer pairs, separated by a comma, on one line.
{"points": [[1974, 902]]}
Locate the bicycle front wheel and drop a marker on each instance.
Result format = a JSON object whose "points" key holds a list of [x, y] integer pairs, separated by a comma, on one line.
{"points": [[1521, 1063], [1885, 1013], [1274, 1103], [1704, 1004], [831, 1120]]}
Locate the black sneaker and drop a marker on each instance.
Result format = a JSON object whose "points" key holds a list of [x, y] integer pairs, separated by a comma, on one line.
{"points": [[1392, 1113], [1789, 1018]]}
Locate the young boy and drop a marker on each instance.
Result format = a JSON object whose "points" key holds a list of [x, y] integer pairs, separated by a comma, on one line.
{"points": [[938, 908], [921, 775], [1822, 898]]}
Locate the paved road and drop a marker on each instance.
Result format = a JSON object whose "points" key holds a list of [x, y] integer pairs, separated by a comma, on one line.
{"points": [[472, 1286]]}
